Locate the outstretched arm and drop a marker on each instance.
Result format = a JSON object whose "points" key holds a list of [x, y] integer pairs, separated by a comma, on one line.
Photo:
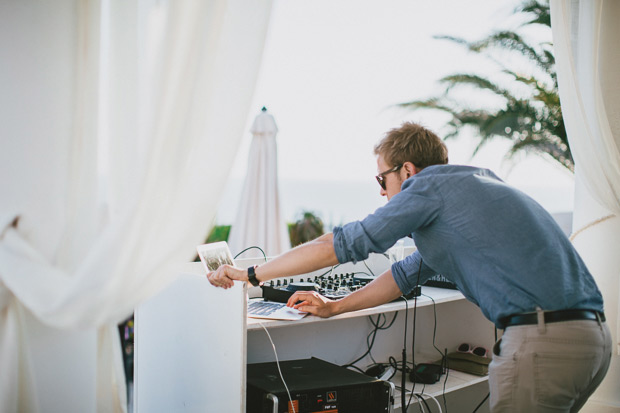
{"points": [[303, 259], [380, 291]]}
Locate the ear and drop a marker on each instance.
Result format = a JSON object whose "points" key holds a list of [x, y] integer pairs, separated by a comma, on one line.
{"points": [[410, 169]]}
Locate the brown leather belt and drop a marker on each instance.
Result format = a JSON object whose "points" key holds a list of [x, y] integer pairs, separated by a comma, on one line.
{"points": [[553, 317]]}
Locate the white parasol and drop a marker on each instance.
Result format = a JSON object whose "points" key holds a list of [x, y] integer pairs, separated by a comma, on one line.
{"points": [[259, 220]]}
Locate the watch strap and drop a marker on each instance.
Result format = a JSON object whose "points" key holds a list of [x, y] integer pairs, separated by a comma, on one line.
{"points": [[252, 276]]}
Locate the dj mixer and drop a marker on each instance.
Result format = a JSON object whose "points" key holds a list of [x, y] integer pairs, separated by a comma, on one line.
{"points": [[333, 287]]}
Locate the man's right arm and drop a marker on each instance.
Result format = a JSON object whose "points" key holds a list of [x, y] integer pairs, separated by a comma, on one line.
{"points": [[380, 291], [303, 259]]}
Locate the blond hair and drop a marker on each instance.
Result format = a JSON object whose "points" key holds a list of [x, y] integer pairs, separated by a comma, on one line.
{"points": [[412, 143]]}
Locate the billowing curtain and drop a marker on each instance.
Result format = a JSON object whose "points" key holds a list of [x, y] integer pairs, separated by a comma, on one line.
{"points": [[586, 37], [586, 41], [120, 121]]}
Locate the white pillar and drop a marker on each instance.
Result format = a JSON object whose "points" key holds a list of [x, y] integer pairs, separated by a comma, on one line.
{"points": [[599, 246]]}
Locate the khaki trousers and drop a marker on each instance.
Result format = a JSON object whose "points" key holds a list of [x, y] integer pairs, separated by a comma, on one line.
{"points": [[552, 367]]}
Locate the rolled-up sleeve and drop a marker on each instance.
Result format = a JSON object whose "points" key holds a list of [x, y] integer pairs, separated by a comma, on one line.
{"points": [[405, 272], [416, 206], [352, 243]]}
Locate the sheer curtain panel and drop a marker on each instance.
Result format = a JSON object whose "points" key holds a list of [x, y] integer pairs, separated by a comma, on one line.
{"points": [[120, 123], [586, 38]]}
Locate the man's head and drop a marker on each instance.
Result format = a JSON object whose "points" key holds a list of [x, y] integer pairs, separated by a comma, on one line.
{"points": [[404, 152]]}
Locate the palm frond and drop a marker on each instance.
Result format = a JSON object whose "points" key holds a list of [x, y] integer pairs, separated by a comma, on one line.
{"points": [[540, 90], [539, 11], [509, 40], [453, 39], [532, 122], [433, 103], [500, 125], [477, 81], [542, 145]]}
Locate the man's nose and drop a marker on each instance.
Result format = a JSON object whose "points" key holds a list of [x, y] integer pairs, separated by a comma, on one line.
{"points": [[383, 192]]}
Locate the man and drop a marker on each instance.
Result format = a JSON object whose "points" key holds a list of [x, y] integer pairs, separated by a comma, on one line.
{"points": [[503, 251]]}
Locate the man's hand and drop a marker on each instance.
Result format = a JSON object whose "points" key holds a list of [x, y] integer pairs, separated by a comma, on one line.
{"points": [[313, 303], [380, 291], [225, 275]]}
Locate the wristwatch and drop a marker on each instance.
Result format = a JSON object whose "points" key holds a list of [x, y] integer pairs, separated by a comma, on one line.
{"points": [[252, 276]]}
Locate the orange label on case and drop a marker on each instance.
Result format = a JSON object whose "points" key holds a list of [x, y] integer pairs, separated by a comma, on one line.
{"points": [[295, 405]]}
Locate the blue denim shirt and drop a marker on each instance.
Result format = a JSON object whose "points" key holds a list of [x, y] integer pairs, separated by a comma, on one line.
{"points": [[502, 249]]}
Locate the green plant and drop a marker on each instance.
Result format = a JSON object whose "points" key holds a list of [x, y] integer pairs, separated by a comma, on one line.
{"points": [[305, 229], [219, 233], [530, 115]]}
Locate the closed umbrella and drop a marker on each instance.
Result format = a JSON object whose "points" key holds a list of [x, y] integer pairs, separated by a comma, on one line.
{"points": [[259, 221]]}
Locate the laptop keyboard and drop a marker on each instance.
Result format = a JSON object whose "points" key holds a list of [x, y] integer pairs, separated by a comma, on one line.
{"points": [[263, 308]]}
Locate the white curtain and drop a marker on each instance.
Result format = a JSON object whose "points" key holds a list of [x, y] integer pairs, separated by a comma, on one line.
{"points": [[120, 123], [586, 38]]}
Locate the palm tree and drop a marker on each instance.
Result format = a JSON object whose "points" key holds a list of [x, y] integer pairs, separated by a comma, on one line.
{"points": [[530, 115]]}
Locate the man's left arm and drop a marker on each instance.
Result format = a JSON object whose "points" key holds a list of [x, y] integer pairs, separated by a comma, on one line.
{"points": [[415, 207], [380, 291], [411, 271]]}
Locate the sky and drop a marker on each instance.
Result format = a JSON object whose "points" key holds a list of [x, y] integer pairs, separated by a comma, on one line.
{"points": [[332, 73]]}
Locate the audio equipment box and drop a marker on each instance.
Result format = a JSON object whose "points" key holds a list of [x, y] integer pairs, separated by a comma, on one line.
{"points": [[440, 281], [334, 288], [315, 386]]}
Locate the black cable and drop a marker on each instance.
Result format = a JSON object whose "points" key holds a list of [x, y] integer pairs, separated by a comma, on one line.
{"points": [[482, 402], [354, 367], [373, 274], [403, 377], [370, 342], [383, 326], [415, 311], [249, 248], [398, 366], [435, 326], [421, 394], [378, 327], [444, 356], [328, 271], [445, 402], [363, 272], [421, 398]]}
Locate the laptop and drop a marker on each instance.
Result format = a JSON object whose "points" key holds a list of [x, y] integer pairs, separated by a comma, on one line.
{"points": [[214, 254], [259, 308]]}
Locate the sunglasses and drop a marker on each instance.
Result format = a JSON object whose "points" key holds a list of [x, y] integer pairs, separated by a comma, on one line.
{"points": [[478, 351], [381, 177]]}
